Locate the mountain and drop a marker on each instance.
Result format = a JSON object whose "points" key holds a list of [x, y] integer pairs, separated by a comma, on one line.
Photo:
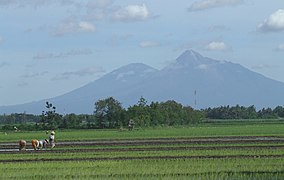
{"points": [[192, 79]]}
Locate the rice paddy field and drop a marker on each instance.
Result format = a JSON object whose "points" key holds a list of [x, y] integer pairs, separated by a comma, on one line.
{"points": [[207, 151]]}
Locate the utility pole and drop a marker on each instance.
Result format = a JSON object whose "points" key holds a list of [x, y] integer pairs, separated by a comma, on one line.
{"points": [[195, 101]]}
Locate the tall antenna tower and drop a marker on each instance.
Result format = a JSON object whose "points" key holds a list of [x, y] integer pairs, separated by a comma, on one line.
{"points": [[195, 101]]}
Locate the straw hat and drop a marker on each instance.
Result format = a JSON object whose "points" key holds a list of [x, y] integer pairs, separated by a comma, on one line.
{"points": [[52, 132]]}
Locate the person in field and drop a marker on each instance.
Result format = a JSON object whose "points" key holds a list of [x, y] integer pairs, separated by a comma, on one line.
{"points": [[52, 139], [130, 125], [39, 144], [22, 145]]}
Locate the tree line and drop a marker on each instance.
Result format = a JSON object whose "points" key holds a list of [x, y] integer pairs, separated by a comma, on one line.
{"points": [[109, 113], [242, 112]]}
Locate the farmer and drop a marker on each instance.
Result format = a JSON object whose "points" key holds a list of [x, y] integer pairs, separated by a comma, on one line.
{"points": [[52, 139], [130, 125], [22, 145], [39, 144]]}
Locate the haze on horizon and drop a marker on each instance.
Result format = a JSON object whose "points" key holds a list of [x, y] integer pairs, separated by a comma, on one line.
{"points": [[50, 47]]}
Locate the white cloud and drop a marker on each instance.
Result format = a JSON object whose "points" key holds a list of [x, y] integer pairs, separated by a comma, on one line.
{"points": [[280, 47], [217, 46], [80, 73], [120, 76], [44, 55], [208, 4], [33, 3], [73, 52], [262, 66], [117, 40], [148, 44], [77, 52], [71, 25], [218, 28], [203, 66], [274, 23], [94, 4], [132, 13], [98, 9], [34, 75], [84, 26]]}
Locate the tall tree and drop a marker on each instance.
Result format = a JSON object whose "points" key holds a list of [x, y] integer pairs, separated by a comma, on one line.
{"points": [[50, 119], [140, 113], [108, 113]]}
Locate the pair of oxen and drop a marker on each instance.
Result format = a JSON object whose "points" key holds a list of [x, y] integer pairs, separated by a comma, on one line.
{"points": [[37, 144]]}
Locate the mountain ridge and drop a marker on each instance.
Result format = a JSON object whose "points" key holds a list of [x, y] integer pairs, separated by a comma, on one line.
{"points": [[215, 82]]}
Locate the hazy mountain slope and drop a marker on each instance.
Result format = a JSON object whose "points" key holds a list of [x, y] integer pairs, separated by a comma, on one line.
{"points": [[215, 83]]}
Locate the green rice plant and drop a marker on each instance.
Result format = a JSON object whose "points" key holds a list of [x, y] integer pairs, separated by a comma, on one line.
{"points": [[148, 169], [166, 132], [143, 153], [211, 145], [63, 163]]}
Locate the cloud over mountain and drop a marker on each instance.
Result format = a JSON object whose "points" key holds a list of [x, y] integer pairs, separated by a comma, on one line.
{"points": [[73, 52], [79, 73], [280, 47], [34, 3], [217, 46], [34, 75], [209, 4], [274, 23], [132, 13], [72, 25], [148, 44]]}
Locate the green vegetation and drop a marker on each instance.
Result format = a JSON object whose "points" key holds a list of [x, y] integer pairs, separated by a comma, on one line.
{"points": [[166, 141], [204, 151], [109, 114], [202, 130], [148, 169]]}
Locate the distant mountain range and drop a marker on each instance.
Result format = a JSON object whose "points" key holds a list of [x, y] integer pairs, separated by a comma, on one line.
{"points": [[192, 80]]}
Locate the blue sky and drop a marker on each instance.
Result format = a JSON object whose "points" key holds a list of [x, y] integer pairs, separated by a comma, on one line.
{"points": [[50, 47]]}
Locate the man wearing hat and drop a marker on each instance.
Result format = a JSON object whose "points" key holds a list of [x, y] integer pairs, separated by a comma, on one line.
{"points": [[52, 139]]}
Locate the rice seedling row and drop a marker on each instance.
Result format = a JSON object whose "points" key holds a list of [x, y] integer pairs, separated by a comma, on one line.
{"points": [[130, 155], [207, 168], [125, 152]]}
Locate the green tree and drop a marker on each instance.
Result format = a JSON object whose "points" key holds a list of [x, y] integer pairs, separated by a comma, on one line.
{"points": [[140, 113], [157, 117], [50, 119], [172, 111], [266, 113], [279, 110], [192, 116], [71, 121], [108, 113]]}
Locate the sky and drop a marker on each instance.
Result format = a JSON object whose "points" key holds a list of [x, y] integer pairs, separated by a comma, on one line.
{"points": [[50, 47]]}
